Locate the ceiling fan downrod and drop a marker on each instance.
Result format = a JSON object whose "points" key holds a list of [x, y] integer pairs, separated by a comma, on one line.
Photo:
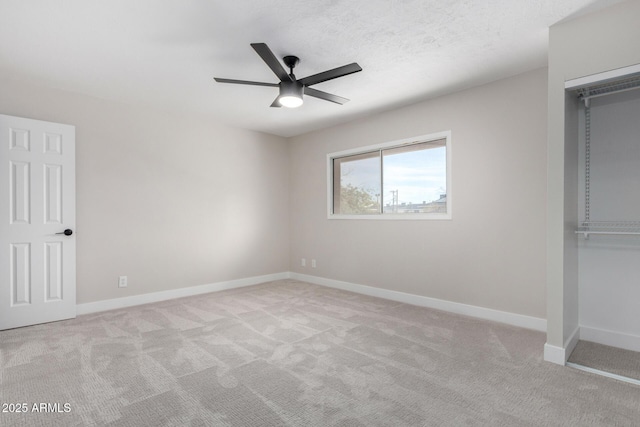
{"points": [[291, 62]]}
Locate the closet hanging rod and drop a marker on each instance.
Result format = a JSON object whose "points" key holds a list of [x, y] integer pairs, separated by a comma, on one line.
{"points": [[614, 233]]}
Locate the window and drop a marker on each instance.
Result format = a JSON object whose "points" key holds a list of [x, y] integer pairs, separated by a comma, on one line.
{"points": [[407, 179]]}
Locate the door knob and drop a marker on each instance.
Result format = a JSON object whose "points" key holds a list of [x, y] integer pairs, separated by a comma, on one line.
{"points": [[67, 232]]}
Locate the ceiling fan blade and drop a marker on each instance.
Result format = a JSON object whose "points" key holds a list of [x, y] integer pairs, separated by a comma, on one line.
{"points": [[267, 56], [245, 82], [276, 102], [324, 95], [331, 74]]}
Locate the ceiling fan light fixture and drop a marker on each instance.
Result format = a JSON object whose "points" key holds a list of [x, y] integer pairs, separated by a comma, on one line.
{"points": [[291, 94], [290, 101]]}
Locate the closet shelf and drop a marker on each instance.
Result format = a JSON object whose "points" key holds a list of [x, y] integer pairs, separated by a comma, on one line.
{"points": [[619, 228]]}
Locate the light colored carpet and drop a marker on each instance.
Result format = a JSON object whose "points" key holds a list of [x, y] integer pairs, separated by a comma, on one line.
{"points": [[605, 358], [288, 353]]}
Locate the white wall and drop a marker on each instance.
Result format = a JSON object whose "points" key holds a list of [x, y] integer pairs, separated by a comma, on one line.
{"points": [[591, 44], [492, 253], [170, 201], [610, 265]]}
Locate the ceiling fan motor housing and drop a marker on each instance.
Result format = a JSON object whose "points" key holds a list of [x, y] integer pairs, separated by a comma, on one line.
{"points": [[294, 88], [290, 94]]}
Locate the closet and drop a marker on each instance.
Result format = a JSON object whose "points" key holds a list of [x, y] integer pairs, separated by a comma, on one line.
{"points": [[609, 213]]}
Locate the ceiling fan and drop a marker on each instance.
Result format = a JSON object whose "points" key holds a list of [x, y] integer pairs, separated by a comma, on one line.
{"points": [[291, 89]]}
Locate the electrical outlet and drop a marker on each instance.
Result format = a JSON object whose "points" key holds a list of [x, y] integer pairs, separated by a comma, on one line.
{"points": [[313, 263], [303, 262], [122, 282]]}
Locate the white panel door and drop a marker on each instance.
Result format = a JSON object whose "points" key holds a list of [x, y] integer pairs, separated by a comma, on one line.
{"points": [[37, 190]]}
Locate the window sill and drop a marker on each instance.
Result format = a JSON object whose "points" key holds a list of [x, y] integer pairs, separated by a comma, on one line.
{"points": [[395, 217]]}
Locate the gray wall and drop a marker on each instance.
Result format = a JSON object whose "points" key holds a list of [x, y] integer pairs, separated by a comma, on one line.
{"points": [[591, 44], [168, 200], [492, 253]]}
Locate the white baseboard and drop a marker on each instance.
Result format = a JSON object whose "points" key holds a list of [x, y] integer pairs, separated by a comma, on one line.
{"points": [[523, 321], [555, 354], [520, 320], [614, 339], [111, 304], [559, 355]]}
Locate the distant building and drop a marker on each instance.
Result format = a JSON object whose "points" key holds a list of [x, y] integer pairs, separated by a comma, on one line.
{"points": [[437, 206]]}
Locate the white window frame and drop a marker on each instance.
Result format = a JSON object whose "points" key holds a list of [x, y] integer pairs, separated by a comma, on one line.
{"points": [[385, 145]]}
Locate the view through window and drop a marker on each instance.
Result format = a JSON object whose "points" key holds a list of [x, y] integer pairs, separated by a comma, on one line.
{"points": [[409, 178]]}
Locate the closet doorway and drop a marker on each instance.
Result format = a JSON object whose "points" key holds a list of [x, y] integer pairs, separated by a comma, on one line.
{"points": [[609, 231]]}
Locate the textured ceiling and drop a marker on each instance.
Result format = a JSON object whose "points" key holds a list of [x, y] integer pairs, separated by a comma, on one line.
{"points": [[165, 52]]}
